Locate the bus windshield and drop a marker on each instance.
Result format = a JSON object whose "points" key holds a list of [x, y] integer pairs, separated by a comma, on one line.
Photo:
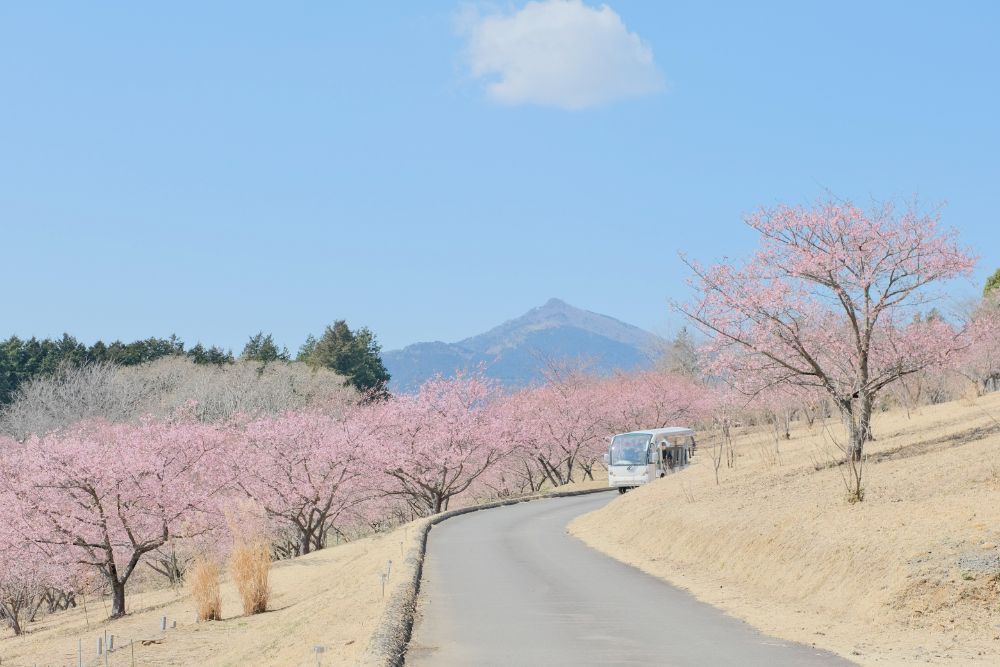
{"points": [[629, 449]]}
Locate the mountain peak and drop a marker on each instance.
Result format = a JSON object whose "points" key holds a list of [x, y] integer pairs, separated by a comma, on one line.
{"points": [[554, 303], [516, 351]]}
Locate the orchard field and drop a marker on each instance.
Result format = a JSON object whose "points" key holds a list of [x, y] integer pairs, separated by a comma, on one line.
{"points": [[845, 419]]}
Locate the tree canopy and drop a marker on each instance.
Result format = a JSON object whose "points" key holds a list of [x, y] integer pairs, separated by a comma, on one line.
{"points": [[200, 354], [682, 354], [354, 354], [992, 283], [262, 348], [21, 360]]}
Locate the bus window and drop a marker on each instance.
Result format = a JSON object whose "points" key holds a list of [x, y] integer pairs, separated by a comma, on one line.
{"points": [[629, 449]]}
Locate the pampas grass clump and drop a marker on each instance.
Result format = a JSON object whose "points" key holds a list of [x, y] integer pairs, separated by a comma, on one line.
{"points": [[249, 566], [204, 581]]}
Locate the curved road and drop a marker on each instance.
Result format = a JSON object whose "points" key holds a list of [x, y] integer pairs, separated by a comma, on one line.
{"points": [[509, 586]]}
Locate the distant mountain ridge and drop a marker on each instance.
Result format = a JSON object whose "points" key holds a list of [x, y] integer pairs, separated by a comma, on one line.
{"points": [[514, 352]]}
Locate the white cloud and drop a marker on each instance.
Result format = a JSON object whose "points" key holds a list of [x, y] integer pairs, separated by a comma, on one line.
{"points": [[559, 53]]}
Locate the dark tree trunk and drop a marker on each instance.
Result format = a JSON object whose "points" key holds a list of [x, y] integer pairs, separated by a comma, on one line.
{"points": [[305, 543], [12, 620], [569, 470], [117, 599], [551, 472], [863, 429]]}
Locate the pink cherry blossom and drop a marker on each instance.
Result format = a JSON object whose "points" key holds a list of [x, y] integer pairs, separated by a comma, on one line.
{"points": [[306, 470], [435, 444], [979, 362], [824, 303], [104, 495]]}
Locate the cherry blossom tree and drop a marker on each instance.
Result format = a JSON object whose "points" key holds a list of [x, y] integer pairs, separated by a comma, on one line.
{"points": [[728, 410], [777, 405], [653, 399], [24, 569], [306, 470], [561, 428], [518, 471], [562, 424], [435, 444], [979, 363], [824, 303], [25, 577], [649, 399], [104, 495]]}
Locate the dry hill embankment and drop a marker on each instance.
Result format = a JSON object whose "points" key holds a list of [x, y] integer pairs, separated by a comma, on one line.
{"points": [[910, 575], [332, 598]]}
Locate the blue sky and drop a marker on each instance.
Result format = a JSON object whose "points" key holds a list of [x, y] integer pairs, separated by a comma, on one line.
{"points": [[213, 169]]}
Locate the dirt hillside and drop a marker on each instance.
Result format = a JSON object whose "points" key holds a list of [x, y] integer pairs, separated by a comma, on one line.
{"points": [[331, 598], [912, 574]]}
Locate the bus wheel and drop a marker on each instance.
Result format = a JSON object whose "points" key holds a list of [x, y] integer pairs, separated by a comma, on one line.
{"points": [[621, 489]]}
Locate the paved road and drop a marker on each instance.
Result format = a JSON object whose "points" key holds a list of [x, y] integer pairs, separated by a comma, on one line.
{"points": [[510, 587]]}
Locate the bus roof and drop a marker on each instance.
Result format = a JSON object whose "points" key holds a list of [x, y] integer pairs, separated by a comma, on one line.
{"points": [[655, 432]]}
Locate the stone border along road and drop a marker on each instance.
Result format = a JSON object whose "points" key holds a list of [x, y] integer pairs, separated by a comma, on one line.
{"points": [[388, 644]]}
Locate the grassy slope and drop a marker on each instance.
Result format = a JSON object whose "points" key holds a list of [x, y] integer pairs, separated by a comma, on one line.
{"points": [[331, 598], [910, 575]]}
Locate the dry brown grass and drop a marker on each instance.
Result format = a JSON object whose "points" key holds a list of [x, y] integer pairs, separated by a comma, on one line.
{"points": [[912, 574], [203, 578], [330, 598], [249, 567]]}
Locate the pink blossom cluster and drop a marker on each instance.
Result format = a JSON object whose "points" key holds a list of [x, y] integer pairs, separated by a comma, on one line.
{"points": [[831, 301], [560, 430], [979, 360], [94, 501], [829, 297]]}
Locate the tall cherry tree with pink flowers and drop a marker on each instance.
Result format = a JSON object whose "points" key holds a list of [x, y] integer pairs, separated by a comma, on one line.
{"points": [[563, 424], [27, 572], [102, 496], [435, 444], [979, 363], [827, 301], [653, 399], [307, 471]]}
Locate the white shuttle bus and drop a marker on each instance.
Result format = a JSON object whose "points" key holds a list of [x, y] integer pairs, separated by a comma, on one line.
{"points": [[635, 458]]}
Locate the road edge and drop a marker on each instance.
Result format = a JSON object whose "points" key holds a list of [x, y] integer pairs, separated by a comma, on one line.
{"points": [[387, 647]]}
